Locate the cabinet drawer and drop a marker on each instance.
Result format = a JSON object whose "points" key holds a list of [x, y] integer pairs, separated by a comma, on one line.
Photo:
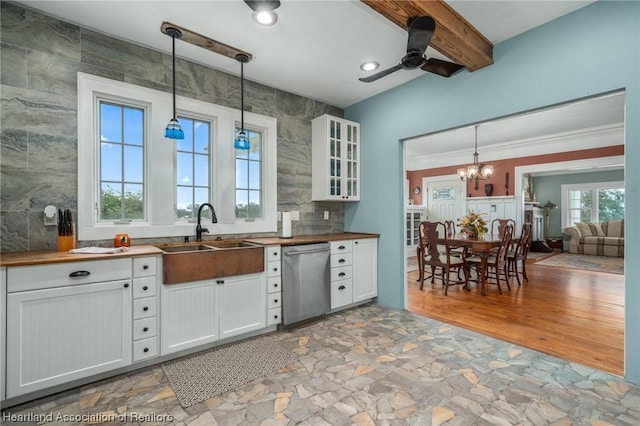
{"points": [[144, 266], [144, 308], [341, 273], [341, 246], [144, 287], [274, 285], [341, 293], [273, 269], [143, 349], [24, 278], [274, 300], [341, 259], [144, 328], [273, 253], [274, 316]]}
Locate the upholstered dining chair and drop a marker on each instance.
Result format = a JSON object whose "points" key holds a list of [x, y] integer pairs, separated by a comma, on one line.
{"points": [[434, 259], [497, 263], [518, 253]]}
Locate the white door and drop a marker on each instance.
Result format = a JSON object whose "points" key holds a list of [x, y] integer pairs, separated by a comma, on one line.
{"points": [[444, 200]]}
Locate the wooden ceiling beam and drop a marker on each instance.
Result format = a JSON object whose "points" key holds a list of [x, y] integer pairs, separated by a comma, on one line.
{"points": [[454, 37]]}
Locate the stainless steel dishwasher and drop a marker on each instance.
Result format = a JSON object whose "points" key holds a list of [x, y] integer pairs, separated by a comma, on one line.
{"points": [[306, 280]]}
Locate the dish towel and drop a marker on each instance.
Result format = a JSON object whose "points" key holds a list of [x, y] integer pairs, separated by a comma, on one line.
{"points": [[98, 250]]}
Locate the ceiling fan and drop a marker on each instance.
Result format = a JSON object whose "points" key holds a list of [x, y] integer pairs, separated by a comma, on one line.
{"points": [[205, 42], [420, 31]]}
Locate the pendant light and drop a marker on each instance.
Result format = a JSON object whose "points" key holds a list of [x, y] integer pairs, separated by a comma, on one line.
{"points": [[475, 171], [242, 140], [173, 129]]}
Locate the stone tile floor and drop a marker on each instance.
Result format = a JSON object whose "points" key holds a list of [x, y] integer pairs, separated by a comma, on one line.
{"points": [[370, 366]]}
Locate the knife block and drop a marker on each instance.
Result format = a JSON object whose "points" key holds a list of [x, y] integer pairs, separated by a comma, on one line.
{"points": [[67, 242]]}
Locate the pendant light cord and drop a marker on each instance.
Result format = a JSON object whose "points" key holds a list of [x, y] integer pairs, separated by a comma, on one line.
{"points": [[242, 96], [173, 37]]}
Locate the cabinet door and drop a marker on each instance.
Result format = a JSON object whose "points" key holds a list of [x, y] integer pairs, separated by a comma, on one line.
{"points": [[351, 157], [189, 315], [365, 269], [243, 304], [336, 158], [61, 334]]}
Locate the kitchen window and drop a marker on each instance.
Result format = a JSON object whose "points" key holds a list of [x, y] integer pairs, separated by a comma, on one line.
{"points": [[592, 202], [121, 162], [249, 178], [193, 168], [156, 184]]}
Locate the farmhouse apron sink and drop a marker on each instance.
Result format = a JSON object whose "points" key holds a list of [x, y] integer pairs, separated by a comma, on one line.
{"points": [[187, 262]]}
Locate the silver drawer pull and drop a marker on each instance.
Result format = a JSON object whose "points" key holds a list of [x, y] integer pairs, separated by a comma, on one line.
{"points": [[77, 274]]}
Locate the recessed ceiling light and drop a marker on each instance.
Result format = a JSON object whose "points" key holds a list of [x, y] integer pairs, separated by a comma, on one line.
{"points": [[369, 66], [265, 17]]}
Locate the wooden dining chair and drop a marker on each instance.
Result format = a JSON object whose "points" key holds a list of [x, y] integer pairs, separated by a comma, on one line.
{"points": [[497, 226], [434, 259], [518, 253], [497, 262]]}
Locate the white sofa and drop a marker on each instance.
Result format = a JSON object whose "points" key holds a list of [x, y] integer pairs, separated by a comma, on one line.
{"points": [[599, 239]]}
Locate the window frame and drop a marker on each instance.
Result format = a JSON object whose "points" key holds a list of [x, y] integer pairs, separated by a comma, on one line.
{"points": [[594, 187], [160, 155]]}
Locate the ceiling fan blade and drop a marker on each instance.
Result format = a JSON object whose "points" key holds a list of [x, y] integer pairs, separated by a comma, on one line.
{"points": [[420, 31], [443, 68], [206, 42], [381, 74]]}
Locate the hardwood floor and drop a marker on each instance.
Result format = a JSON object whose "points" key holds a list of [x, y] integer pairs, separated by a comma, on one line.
{"points": [[572, 314]]}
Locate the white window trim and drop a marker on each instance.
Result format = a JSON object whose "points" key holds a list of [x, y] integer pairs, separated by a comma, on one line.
{"points": [[566, 188], [160, 158]]}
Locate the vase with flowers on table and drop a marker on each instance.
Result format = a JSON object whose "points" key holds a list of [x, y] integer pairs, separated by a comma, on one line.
{"points": [[474, 225]]}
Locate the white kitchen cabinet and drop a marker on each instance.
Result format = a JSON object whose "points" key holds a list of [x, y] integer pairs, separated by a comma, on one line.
{"points": [[242, 304], [189, 317], [365, 269], [274, 285], [202, 312], [413, 216], [56, 333], [145, 308], [341, 273], [335, 159], [354, 271]]}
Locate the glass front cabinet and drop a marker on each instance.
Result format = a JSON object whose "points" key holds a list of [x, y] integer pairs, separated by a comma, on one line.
{"points": [[336, 157], [414, 215]]}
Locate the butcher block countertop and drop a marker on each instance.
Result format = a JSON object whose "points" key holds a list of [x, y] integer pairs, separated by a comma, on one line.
{"points": [[309, 239], [26, 258]]}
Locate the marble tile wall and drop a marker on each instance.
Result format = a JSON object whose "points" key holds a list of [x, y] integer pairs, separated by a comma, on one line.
{"points": [[39, 59]]}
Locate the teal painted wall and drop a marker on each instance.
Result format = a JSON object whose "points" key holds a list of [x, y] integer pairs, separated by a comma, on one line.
{"points": [[593, 50], [548, 188]]}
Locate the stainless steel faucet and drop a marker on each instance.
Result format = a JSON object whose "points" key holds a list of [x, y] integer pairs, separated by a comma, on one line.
{"points": [[199, 228]]}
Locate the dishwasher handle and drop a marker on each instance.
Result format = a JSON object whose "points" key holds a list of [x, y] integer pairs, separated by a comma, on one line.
{"points": [[295, 253]]}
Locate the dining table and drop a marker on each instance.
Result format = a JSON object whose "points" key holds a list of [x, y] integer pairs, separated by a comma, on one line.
{"points": [[480, 246]]}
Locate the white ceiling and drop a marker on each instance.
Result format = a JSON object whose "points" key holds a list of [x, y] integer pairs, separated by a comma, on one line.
{"points": [[316, 47]]}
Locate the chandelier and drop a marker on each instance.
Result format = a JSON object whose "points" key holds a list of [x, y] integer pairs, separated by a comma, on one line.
{"points": [[475, 171]]}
